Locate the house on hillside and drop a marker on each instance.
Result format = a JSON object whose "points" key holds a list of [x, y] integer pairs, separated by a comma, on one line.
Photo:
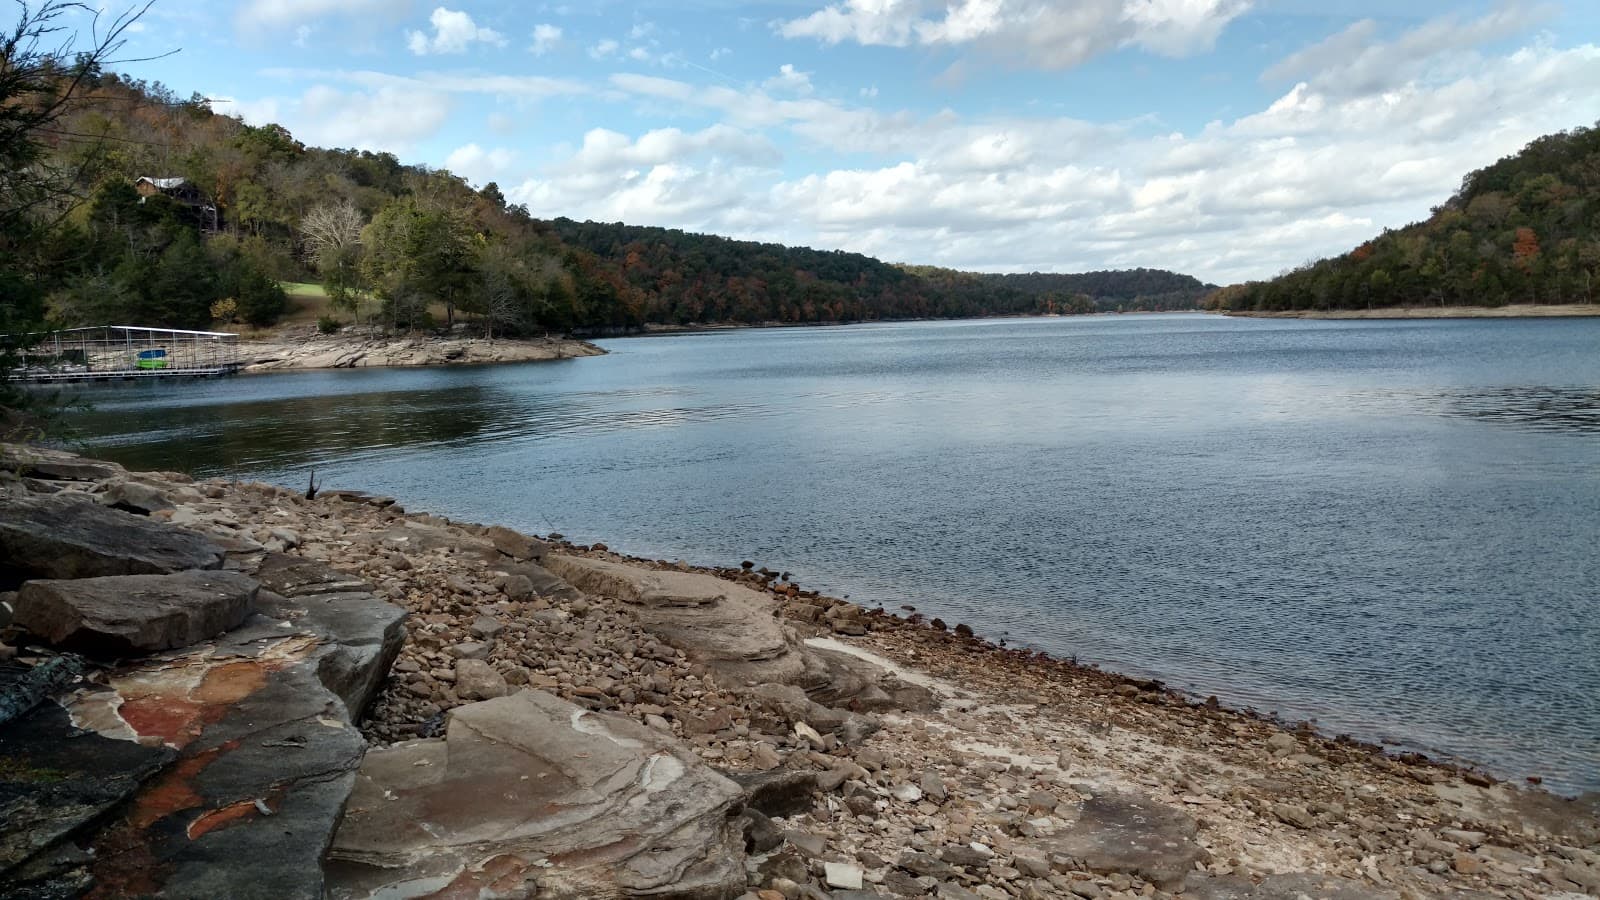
{"points": [[185, 192]]}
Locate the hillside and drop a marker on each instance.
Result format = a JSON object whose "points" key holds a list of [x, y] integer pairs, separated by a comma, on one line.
{"points": [[1523, 230], [189, 218]]}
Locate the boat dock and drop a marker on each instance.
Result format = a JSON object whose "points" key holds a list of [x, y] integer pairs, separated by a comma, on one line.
{"points": [[125, 352]]}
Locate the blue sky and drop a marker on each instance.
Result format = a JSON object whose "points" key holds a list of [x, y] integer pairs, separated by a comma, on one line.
{"points": [[1227, 138]]}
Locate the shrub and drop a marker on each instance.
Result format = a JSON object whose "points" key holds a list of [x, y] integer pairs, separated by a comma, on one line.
{"points": [[327, 325]]}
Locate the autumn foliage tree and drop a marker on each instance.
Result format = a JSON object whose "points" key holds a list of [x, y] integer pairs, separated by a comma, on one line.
{"points": [[1525, 229]]}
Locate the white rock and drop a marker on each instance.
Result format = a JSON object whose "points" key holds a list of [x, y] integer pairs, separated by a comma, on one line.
{"points": [[907, 793], [844, 876], [809, 735]]}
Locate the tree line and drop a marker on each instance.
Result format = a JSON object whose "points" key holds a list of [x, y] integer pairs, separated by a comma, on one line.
{"points": [[1523, 230]]}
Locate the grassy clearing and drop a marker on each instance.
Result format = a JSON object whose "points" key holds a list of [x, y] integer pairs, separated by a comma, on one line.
{"points": [[309, 302]]}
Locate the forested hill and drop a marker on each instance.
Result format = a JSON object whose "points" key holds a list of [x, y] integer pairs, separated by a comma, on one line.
{"points": [[180, 216], [1523, 230], [697, 277]]}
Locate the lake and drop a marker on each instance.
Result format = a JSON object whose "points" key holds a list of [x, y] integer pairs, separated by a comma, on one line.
{"points": [[1390, 528]]}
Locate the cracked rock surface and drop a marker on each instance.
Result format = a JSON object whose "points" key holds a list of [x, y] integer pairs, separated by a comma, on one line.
{"points": [[531, 796]]}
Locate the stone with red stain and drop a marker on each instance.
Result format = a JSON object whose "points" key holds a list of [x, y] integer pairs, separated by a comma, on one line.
{"points": [[253, 755]]}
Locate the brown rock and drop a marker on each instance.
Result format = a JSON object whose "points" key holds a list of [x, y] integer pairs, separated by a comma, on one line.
{"points": [[477, 680], [516, 545], [121, 614]]}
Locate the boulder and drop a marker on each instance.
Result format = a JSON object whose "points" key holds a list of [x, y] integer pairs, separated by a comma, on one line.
{"points": [[63, 536], [540, 581], [477, 680], [1132, 833], [529, 795], [515, 544], [140, 499], [119, 615]]}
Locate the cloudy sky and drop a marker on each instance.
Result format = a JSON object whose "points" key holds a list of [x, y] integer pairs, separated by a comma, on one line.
{"points": [[1226, 138]]}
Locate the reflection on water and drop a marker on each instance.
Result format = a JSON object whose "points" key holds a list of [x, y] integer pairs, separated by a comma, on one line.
{"points": [[1389, 527]]}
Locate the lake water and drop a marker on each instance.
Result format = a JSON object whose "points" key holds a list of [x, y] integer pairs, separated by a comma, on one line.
{"points": [[1388, 527]]}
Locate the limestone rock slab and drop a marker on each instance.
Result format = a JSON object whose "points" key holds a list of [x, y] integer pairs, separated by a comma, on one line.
{"points": [[515, 544], [117, 615], [1289, 886], [1132, 833], [529, 795], [368, 631], [729, 628], [62, 536], [226, 765]]}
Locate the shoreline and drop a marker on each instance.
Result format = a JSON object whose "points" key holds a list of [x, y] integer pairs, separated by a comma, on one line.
{"points": [[929, 757], [309, 350], [1576, 310]]}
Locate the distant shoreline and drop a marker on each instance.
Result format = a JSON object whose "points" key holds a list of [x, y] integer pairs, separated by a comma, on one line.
{"points": [[1431, 312], [655, 330]]}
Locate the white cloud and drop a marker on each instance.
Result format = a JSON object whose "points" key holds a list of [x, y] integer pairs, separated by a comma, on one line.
{"points": [[479, 166], [388, 118], [1354, 61], [545, 38], [789, 79], [512, 87], [665, 177], [453, 32], [604, 49], [1314, 172], [1032, 32], [279, 14]]}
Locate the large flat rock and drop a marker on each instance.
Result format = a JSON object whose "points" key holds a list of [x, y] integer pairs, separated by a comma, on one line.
{"points": [[729, 628], [62, 536], [119, 615], [316, 596], [1118, 831], [56, 779], [224, 767], [1289, 886], [56, 465], [531, 796]]}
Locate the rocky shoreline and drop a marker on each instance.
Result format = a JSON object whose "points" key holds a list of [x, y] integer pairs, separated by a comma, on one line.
{"points": [[354, 349], [556, 720]]}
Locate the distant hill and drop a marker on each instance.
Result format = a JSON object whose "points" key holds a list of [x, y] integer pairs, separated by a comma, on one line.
{"points": [[190, 216], [1523, 230], [687, 277]]}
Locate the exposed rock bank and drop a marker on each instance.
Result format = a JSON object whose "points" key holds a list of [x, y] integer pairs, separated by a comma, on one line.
{"points": [[563, 722], [351, 349]]}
